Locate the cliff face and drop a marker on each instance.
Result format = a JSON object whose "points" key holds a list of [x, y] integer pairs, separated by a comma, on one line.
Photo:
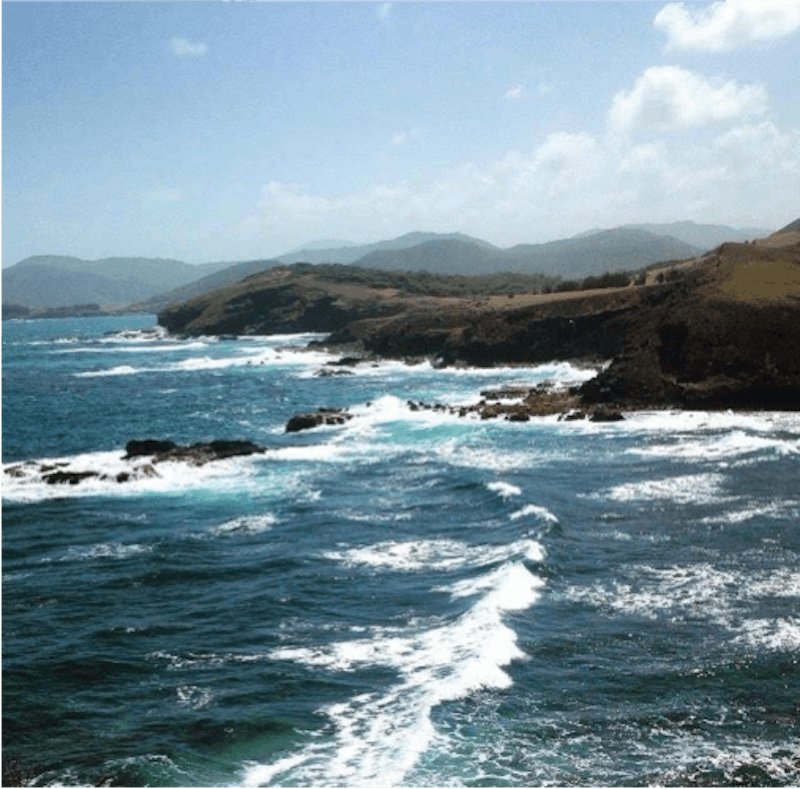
{"points": [[724, 336], [519, 330]]}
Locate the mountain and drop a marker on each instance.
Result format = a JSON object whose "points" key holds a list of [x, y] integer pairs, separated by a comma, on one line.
{"points": [[440, 256], [219, 279], [349, 254], [46, 281], [704, 237], [619, 249], [607, 250]]}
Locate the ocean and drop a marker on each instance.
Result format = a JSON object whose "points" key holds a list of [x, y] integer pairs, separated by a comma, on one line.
{"points": [[408, 599]]}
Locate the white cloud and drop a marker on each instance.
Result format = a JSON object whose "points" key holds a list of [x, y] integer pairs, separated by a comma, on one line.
{"points": [[566, 183], [514, 92], [404, 137], [184, 48], [724, 26], [384, 9], [668, 97], [752, 149]]}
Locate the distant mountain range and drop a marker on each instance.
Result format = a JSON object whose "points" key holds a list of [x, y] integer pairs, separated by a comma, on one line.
{"points": [[704, 237], [57, 281], [52, 281]]}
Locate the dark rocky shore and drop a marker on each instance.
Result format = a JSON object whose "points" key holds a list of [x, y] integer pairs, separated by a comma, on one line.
{"points": [[717, 331]]}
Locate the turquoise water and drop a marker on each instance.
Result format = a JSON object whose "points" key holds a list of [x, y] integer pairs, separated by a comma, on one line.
{"points": [[409, 599]]}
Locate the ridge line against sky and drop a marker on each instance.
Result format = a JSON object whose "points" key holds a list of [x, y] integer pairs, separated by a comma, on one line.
{"points": [[240, 130]]}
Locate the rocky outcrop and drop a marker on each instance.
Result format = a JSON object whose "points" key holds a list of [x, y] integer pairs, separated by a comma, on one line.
{"points": [[157, 451], [724, 336], [196, 454], [324, 416]]}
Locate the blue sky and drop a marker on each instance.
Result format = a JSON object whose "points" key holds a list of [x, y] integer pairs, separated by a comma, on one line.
{"points": [[237, 130]]}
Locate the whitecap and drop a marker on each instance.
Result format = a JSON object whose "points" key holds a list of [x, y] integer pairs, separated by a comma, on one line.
{"points": [[379, 737], [686, 489], [247, 524], [504, 489], [542, 513]]}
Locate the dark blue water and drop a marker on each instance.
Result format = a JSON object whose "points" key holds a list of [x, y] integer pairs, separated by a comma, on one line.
{"points": [[410, 599]]}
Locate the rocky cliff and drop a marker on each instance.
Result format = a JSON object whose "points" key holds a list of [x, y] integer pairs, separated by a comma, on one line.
{"points": [[724, 335]]}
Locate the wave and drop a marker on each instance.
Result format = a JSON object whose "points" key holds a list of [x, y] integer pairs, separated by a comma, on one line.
{"points": [[427, 555], [267, 356], [725, 447], [379, 737], [504, 489]]}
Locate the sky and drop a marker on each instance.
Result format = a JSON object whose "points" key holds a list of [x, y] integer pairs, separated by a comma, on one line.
{"points": [[226, 131]]}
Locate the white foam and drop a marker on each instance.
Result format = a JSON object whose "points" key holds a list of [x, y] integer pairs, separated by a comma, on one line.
{"points": [[686, 489], [273, 356], [775, 510], [426, 555], [703, 592], [27, 482], [504, 489], [160, 348], [722, 447], [193, 696], [776, 634], [379, 737], [112, 550]]}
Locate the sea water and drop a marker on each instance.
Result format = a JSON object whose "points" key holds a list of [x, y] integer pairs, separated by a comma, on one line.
{"points": [[408, 599]]}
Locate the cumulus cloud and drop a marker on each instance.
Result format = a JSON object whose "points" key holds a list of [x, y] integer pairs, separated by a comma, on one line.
{"points": [[567, 182], [725, 26], [184, 48], [668, 97]]}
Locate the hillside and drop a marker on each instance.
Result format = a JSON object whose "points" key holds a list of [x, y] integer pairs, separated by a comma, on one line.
{"points": [[47, 281], [786, 235]]}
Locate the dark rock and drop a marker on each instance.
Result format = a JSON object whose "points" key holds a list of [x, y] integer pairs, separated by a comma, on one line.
{"points": [[147, 446], [506, 393], [346, 361], [332, 373], [324, 416], [606, 415], [197, 454], [68, 477]]}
